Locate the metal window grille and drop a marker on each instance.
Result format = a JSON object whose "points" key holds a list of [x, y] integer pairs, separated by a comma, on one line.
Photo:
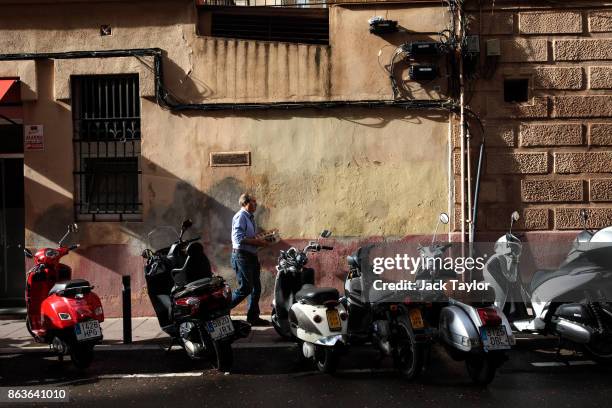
{"points": [[269, 3], [305, 26], [106, 126]]}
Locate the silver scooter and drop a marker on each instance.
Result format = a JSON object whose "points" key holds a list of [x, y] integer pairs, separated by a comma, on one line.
{"points": [[311, 316], [474, 331], [572, 302]]}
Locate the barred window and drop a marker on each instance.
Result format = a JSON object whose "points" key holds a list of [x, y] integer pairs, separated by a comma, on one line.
{"points": [[285, 24], [106, 126]]}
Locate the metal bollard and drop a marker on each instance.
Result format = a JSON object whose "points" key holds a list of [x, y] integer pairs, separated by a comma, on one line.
{"points": [[127, 309]]}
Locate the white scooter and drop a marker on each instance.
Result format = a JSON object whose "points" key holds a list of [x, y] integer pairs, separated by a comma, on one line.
{"points": [[309, 315], [572, 302]]}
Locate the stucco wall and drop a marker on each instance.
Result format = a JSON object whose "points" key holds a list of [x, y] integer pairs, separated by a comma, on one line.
{"points": [[364, 174]]}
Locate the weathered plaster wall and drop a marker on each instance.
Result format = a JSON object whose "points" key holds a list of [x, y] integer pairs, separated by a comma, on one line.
{"points": [[226, 70], [362, 173]]}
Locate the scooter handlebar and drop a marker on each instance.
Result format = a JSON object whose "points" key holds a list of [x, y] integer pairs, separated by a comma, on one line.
{"points": [[446, 246], [327, 248], [73, 247]]}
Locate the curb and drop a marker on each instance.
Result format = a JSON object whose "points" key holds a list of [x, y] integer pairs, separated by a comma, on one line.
{"points": [[140, 347], [521, 342]]}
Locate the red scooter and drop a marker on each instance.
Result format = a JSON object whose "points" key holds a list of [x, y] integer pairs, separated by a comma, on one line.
{"points": [[61, 311]]}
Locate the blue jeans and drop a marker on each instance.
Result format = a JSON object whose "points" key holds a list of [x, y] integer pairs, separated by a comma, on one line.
{"points": [[247, 270]]}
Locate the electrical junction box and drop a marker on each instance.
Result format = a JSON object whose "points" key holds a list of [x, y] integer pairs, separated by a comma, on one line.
{"points": [[472, 44], [493, 47], [421, 48], [423, 72], [379, 25]]}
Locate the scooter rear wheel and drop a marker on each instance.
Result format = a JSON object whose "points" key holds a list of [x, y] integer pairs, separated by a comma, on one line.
{"points": [[82, 355], [224, 356], [326, 359], [481, 369]]}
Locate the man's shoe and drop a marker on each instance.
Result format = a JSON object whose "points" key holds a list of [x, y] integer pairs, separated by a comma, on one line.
{"points": [[258, 322]]}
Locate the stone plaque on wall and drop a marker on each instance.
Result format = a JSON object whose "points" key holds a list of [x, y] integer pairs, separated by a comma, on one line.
{"points": [[226, 159]]}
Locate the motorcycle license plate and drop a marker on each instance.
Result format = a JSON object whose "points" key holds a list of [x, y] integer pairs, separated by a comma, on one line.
{"points": [[333, 320], [220, 328], [495, 338], [416, 319], [87, 330]]}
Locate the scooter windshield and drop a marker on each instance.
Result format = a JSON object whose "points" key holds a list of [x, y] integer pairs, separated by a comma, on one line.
{"points": [[164, 236], [161, 237]]}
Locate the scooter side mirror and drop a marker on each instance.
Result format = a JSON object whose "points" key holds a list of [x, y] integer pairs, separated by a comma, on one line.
{"points": [[72, 228], [325, 234], [444, 219], [513, 218], [186, 224], [28, 253]]}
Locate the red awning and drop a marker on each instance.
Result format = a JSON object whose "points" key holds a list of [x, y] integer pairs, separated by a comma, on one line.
{"points": [[5, 85]]}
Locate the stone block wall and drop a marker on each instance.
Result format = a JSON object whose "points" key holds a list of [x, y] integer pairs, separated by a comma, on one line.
{"points": [[550, 156]]}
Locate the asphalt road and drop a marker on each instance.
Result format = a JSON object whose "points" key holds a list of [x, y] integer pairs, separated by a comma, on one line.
{"points": [[274, 377]]}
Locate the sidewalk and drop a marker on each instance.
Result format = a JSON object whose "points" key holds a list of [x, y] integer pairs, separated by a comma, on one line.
{"points": [[145, 330], [146, 333]]}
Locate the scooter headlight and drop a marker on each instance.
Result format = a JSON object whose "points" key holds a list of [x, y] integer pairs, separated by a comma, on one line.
{"points": [[65, 316], [227, 292]]}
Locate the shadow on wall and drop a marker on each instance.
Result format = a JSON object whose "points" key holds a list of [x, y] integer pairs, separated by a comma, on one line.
{"points": [[111, 250], [104, 263]]}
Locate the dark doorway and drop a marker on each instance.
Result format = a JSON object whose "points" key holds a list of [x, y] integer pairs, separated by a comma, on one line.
{"points": [[12, 214], [12, 228]]}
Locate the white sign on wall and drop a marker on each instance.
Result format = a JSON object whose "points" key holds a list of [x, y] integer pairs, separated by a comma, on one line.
{"points": [[34, 137]]}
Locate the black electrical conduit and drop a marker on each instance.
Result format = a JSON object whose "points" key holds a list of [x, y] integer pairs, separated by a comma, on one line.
{"points": [[164, 101], [161, 95]]}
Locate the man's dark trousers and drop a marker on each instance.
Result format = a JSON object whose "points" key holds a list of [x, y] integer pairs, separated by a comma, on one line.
{"points": [[247, 269]]}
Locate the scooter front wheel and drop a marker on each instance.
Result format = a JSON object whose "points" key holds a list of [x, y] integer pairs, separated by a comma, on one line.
{"points": [[600, 349], [409, 356], [82, 355], [326, 359], [277, 327], [481, 369]]}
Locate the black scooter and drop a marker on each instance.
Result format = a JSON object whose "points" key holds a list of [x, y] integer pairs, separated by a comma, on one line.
{"points": [[192, 305], [397, 329]]}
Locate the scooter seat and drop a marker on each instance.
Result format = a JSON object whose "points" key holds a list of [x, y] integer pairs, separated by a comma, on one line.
{"points": [[196, 267], [316, 296], [69, 284], [543, 276]]}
